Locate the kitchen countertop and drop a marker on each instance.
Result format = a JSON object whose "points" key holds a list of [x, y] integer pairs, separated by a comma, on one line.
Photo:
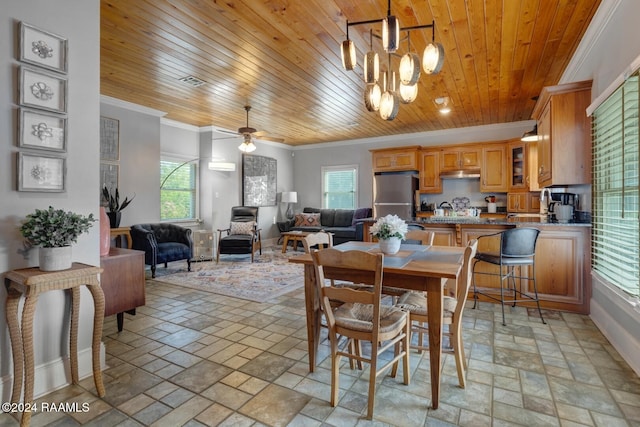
{"points": [[521, 221]]}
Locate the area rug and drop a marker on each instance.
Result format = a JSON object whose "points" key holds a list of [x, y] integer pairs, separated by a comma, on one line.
{"points": [[269, 276]]}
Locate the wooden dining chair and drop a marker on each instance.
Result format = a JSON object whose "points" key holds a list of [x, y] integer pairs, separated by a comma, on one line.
{"points": [[360, 317], [453, 308], [320, 240], [425, 237]]}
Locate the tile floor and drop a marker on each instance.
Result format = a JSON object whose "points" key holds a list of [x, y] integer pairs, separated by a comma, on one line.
{"points": [[194, 358]]}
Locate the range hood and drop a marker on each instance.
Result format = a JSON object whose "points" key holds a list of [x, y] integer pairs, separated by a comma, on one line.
{"points": [[460, 174]]}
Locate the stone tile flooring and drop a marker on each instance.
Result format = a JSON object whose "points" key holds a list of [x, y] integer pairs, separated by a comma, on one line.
{"points": [[194, 358]]}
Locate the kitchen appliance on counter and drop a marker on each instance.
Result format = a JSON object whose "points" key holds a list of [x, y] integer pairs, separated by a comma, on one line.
{"points": [[394, 194], [562, 206]]}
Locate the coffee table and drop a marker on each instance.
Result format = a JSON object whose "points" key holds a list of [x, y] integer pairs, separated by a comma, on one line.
{"points": [[293, 236]]}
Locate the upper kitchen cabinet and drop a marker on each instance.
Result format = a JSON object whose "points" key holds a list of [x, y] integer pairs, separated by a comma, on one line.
{"points": [[522, 161], [396, 159], [456, 158], [564, 134], [430, 181], [493, 172]]}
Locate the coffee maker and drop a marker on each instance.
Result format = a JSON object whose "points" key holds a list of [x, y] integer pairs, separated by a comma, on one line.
{"points": [[562, 206]]}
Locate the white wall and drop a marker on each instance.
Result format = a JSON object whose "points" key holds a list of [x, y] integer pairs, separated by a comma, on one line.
{"points": [[609, 47], [79, 22]]}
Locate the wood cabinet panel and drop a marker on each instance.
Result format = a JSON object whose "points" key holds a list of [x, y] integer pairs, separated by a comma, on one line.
{"points": [[430, 181], [493, 171], [454, 158], [396, 159]]}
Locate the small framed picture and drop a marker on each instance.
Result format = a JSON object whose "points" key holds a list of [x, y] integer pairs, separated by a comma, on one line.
{"points": [[43, 48], [42, 130], [41, 173], [109, 175], [44, 90], [109, 139]]}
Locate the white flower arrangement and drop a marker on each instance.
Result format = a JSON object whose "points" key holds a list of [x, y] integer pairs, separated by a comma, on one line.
{"points": [[389, 226]]}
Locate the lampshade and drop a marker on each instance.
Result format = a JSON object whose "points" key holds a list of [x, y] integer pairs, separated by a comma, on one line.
{"points": [[371, 67], [389, 103], [390, 33], [247, 146], [289, 197], [433, 58], [409, 72], [408, 93], [372, 95], [530, 136], [348, 55]]}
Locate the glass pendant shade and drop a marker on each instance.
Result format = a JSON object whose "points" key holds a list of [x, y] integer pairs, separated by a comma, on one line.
{"points": [[371, 67], [433, 58], [409, 69], [247, 146], [372, 95], [390, 34], [348, 51], [408, 93]]}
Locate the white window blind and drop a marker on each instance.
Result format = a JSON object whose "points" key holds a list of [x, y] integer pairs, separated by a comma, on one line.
{"points": [[616, 192], [178, 191], [339, 187]]}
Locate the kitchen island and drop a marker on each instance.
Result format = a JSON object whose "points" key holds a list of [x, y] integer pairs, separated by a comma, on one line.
{"points": [[563, 255]]}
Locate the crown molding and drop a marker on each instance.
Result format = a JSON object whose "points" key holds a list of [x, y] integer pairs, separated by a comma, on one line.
{"points": [[115, 102]]}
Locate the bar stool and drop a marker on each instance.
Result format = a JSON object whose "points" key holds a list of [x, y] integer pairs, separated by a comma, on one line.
{"points": [[517, 249]]}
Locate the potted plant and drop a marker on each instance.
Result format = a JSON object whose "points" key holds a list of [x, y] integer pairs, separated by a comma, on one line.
{"points": [[54, 230], [115, 207], [390, 230]]}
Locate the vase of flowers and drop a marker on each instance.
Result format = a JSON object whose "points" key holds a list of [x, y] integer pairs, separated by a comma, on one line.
{"points": [[390, 230], [115, 207], [53, 231]]}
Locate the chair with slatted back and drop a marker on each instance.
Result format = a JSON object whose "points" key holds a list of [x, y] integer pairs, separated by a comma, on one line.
{"points": [[424, 237], [360, 316], [320, 240], [453, 308]]}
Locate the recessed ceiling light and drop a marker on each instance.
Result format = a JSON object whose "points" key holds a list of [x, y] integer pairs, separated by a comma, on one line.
{"points": [[443, 104]]}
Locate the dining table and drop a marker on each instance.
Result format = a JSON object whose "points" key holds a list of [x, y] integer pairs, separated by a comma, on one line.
{"points": [[414, 267]]}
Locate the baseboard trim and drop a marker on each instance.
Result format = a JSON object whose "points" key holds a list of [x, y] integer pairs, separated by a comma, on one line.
{"points": [[54, 374]]}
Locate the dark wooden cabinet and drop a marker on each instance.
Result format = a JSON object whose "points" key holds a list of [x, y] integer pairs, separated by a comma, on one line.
{"points": [[122, 281]]}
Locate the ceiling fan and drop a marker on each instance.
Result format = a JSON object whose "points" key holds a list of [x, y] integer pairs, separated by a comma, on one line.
{"points": [[248, 133]]}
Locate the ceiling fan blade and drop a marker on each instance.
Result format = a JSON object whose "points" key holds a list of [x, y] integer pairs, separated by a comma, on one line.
{"points": [[268, 138]]}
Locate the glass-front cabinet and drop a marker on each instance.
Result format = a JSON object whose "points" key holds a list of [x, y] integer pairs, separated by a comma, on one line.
{"points": [[518, 167]]}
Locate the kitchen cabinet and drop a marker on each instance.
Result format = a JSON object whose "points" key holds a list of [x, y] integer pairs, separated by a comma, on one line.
{"points": [[523, 202], [397, 159], [460, 157], [493, 171], [564, 135], [430, 181]]}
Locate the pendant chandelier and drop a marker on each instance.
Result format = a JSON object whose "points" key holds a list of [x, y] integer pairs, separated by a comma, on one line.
{"points": [[386, 100]]}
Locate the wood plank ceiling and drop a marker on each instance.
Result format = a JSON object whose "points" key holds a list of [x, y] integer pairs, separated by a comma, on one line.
{"points": [[282, 57]]}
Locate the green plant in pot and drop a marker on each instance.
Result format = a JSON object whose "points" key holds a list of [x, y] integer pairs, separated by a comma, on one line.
{"points": [[53, 231], [115, 207]]}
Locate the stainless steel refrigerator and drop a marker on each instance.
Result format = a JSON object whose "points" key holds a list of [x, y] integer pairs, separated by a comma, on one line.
{"points": [[394, 193]]}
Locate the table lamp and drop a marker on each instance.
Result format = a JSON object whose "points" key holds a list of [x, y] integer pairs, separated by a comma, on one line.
{"points": [[289, 197]]}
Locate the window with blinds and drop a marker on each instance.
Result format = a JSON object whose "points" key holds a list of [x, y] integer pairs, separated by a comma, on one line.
{"points": [[616, 235], [339, 187], [178, 189]]}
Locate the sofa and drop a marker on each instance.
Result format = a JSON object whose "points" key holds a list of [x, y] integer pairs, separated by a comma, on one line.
{"points": [[344, 224], [162, 243]]}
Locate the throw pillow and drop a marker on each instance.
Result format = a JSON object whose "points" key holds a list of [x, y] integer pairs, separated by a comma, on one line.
{"points": [[360, 213], [307, 220], [244, 227]]}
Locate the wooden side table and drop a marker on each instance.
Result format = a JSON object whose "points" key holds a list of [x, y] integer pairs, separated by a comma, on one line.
{"points": [[122, 281], [32, 282], [293, 236], [122, 231]]}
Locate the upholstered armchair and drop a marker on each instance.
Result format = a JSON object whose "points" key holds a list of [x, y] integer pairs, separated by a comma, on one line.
{"points": [[162, 243], [243, 234]]}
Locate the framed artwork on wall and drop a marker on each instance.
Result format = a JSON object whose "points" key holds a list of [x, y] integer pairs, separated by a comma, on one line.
{"points": [[43, 48], [259, 175], [109, 139], [40, 89], [109, 176], [41, 173], [37, 129]]}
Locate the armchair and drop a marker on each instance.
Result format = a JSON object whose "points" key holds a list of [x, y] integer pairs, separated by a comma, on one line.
{"points": [[162, 243], [243, 234]]}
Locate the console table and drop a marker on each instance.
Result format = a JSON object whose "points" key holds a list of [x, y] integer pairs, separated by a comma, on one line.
{"points": [[31, 282], [122, 282], [125, 232]]}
